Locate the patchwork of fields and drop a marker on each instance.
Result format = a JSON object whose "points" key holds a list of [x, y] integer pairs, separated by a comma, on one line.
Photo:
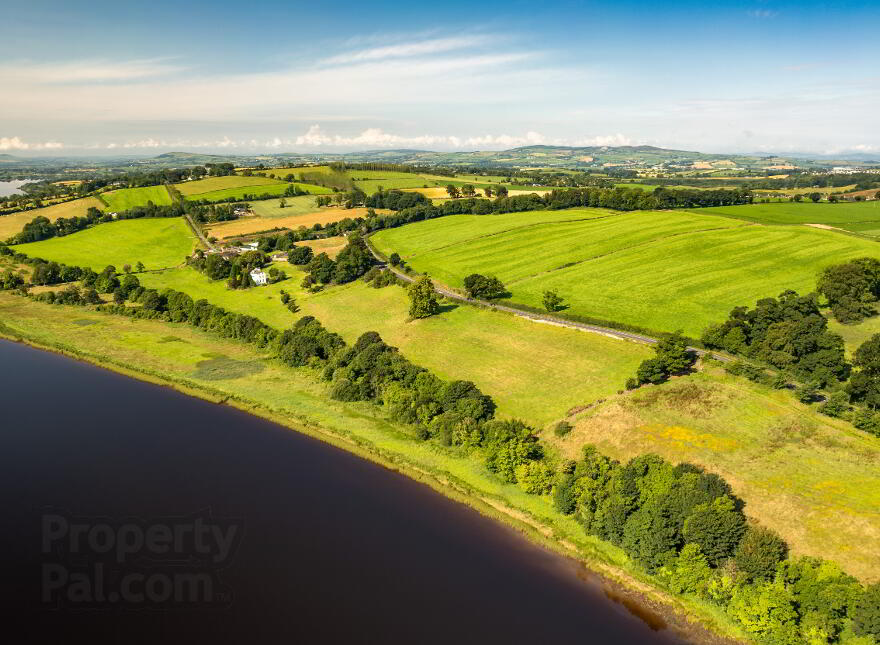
{"points": [[126, 198], [657, 270], [14, 223], [158, 243], [796, 470]]}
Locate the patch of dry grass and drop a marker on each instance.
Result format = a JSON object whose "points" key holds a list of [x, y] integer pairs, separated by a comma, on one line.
{"points": [[814, 480], [14, 223], [329, 245]]}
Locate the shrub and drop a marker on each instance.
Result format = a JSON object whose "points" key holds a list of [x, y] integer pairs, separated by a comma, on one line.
{"points": [[562, 428]]}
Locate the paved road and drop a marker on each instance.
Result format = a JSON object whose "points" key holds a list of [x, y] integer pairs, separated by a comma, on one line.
{"points": [[542, 318]]}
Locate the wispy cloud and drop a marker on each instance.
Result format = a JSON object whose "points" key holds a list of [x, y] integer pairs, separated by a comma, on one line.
{"points": [[79, 91], [408, 49], [84, 71]]}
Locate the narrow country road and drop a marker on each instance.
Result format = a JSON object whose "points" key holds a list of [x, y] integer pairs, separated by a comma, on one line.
{"points": [[197, 231], [536, 317]]}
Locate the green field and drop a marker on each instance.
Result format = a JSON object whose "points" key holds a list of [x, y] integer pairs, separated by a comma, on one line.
{"points": [[508, 357], [14, 222], [258, 191], [295, 206], [158, 243], [126, 198], [862, 217], [855, 335], [212, 184], [535, 372], [657, 270], [370, 181]]}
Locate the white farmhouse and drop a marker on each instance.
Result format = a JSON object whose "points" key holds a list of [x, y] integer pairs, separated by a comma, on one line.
{"points": [[259, 277]]}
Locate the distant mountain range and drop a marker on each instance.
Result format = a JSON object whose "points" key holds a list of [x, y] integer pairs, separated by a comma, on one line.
{"points": [[586, 157]]}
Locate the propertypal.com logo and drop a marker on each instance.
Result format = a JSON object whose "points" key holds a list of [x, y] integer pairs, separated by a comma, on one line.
{"points": [[162, 563]]}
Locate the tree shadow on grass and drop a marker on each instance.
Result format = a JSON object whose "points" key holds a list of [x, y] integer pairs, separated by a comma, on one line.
{"points": [[221, 368], [447, 307]]}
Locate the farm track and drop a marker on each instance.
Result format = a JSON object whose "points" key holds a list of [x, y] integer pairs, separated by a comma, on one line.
{"points": [[536, 317], [197, 231]]}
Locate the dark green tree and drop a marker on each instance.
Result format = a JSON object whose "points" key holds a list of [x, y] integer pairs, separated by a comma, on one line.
{"points": [[552, 300], [759, 552], [422, 298]]}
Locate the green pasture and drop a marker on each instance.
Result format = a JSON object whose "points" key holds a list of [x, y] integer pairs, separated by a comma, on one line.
{"points": [[508, 357], [657, 270], [212, 184], [158, 243], [255, 191], [862, 217], [294, 206], [127, 198]]}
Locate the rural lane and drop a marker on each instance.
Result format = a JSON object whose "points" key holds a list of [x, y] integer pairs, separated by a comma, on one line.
{"points": [[536, 317]]}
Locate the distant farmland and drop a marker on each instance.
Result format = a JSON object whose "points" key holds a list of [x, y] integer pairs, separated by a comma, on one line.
{"points": [[126, 198], [656, 270]]}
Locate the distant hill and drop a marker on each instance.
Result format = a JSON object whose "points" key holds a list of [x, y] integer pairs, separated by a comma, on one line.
{"points": [[190, 157], [595, 158], [584, 157]]}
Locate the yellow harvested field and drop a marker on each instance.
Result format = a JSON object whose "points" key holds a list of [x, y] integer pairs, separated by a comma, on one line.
{"points": [[329, 245], [525, 191], [12, 224], [251, 225]]}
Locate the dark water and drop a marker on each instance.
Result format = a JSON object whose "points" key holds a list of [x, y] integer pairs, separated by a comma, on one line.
{"points": [[334, 549]]}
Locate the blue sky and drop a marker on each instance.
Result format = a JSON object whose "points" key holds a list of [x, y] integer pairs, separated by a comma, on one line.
{"points": [[737, 76]]}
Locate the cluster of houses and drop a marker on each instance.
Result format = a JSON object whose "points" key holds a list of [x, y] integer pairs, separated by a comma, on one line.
{"points": [[259, 276]]}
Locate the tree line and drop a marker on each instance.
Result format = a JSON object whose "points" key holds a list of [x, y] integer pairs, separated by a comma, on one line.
{"points": [[41, 228]]}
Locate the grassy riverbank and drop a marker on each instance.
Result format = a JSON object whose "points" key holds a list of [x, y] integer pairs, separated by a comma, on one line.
{"points": [[236, 374]]}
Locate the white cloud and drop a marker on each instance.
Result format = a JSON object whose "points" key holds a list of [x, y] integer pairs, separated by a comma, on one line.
{"points": [[83, 71], [378, 138], [407, 50], [15, 143]]}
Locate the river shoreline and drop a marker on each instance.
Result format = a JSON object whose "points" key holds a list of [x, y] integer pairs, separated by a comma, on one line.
{"points": [[655, 607]]}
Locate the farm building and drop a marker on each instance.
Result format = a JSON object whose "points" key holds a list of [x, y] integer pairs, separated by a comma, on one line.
{"points": [[259, 277]]}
